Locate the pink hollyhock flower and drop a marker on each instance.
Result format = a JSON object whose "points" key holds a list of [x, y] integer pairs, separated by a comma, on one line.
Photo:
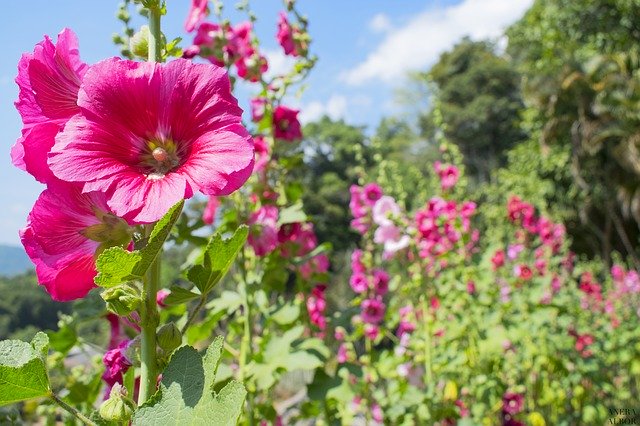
{"points": [[197, 13], [371, 193], [359, 282], [384, 210], [286, 124], [252, 66], [209, 213], [161, 295], [258, 106], [523, 272], [361, 225], [512, 403], [448, 173], [49, 80], [285, 36], [380, 282], [290, 232], [617, 272], [65, 231], [209, 42], [342, 354], [339, 334], [264, 230], [498, 259], [116, 363], [376, 413], [356, 262], [372, 311], [392, 238], [316, 305], [514, 250], [150, 135], [371, 331], [471, 287]]}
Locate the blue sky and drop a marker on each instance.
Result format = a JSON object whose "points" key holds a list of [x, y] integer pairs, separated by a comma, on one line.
{"points": [[366, 48]]}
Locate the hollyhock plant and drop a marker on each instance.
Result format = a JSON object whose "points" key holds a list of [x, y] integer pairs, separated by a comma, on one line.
{"points": [[285, 124], [448, 174], [187, 136], [359, 282], [512, 403], [48, 80], [288, 36], [116, 363], [384, 210], [252, 66], [65, 231]]}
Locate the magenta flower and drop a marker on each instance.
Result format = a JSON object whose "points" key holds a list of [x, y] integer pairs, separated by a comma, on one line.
{"points": [[197, 13], [65, 231], [252, 66], [359, 282], [161, 295], [380, 282], [512, 403], [342, 354], [448, 173], [285, 35], [371, 193], [316, 305], [150, 135], [392, 238], [116, 363], [372, 311], [264, 232], [356, 261], [49, 80], [286, 124], [263, 154], [371, 331]]}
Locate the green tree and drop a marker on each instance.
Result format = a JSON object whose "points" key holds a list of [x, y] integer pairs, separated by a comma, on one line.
{"points": [[479, 99]]}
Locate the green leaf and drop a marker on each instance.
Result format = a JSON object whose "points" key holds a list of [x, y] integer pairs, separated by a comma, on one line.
{"points": [[23, 374], [218, 258], [286, 314], [116, 265], [186, 395], [179, 295], [292, 214]]}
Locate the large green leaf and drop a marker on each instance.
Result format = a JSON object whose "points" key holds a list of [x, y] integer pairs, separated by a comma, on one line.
{"points": [[186, 395], [218, 258], [117, 265], [23, 374]]}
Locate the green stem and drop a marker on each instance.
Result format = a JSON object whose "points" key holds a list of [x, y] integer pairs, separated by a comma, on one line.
{"points": [[194, 314], [149, 323], [428, 374], [77, 414], [155, 34], [245, 345]]}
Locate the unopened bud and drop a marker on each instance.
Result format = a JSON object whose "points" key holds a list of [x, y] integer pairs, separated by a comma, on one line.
{"points": [[122, 299], [118, 408], [139, 43], [169, 337]]}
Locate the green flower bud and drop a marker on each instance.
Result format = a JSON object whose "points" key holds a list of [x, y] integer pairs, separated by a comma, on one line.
{"points": [[169, 337], [139, 43], [122, 299], [118, 408]]}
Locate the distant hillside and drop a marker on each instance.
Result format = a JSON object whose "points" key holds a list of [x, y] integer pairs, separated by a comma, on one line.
{"points": [[13, 261]]}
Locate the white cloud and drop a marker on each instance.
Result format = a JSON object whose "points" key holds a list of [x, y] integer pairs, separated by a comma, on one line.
{"points": [[419, 43], [380, 23], [279, 63], [335, 108]]}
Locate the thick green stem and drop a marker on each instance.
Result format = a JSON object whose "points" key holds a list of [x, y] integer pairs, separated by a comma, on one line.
{"points": [[155, 35], [149, 323], [245, 345], [77, 414]]}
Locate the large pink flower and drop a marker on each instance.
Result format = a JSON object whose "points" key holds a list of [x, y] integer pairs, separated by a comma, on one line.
{"points": [[48, 81], [65, 231], [149, 135]]}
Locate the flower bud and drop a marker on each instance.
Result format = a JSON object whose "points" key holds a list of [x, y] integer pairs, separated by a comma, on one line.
{"points": [[169, 337], [139, 43], [118, 408], [122, 299]]}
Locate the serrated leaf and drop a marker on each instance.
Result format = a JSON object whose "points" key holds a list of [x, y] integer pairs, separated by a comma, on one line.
{"points": [[186, 395], [218, 258], [292, 214], [179, 295], [23, 374], [116, 265]]}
